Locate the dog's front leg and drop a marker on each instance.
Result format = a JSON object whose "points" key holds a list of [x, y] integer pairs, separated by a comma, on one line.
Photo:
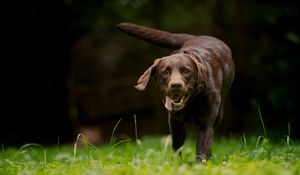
{"points": [[203, 145], [177, 132]]}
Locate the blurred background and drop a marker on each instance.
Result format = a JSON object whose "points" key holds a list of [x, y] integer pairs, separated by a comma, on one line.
{"points": [[69, 70]]}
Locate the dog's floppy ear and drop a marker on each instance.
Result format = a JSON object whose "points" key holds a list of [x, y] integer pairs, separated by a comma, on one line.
{"points": [[145, 78], [201, 69]]}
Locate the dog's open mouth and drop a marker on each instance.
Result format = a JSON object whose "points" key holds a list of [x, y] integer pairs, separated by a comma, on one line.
{"points": [[175, 102]]}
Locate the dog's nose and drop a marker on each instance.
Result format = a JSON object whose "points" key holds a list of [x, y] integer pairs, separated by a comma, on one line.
{"points": [[176, 85]]}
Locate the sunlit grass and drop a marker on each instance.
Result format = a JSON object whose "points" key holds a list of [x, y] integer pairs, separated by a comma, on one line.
{"points": [[153, 155]]}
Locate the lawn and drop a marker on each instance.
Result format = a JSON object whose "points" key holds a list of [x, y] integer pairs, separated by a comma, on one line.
{"points": [[153, 155]]}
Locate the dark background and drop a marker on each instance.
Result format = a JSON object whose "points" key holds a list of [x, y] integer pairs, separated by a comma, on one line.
{"points": [[67, 69]]}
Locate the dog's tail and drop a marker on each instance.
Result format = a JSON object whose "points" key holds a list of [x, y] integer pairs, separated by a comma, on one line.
{"points": [[154, 36]]}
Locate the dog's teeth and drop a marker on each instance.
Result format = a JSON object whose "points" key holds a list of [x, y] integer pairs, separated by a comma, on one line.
{"points": [[181, 101]]}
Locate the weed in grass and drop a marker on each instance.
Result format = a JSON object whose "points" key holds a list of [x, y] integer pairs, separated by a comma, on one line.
{"points": [[262, 122], [289, 147], [25, 151], [82, 139], [263, 147], [138, 142], [113, 141], [112, 138], [244, 143]]}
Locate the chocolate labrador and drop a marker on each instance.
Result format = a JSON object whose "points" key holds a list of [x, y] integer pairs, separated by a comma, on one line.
{"points": [[193, 82]]}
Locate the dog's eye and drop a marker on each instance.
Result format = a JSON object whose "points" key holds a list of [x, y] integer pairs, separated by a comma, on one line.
{"points": [[186, 71], [165, 73]]}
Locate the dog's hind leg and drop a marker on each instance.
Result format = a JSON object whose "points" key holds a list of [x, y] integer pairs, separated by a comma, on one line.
{"points": [[204, 141]]}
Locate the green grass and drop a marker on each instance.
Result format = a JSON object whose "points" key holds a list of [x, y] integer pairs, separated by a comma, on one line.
{"points": [[153, 155]]}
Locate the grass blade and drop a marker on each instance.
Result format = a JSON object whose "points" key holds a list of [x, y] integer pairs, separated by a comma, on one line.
{"points": [[135, 128], [113, 132], [262, 122]]}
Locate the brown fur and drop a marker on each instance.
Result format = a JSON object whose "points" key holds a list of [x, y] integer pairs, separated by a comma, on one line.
{"points": [[193, 82]]}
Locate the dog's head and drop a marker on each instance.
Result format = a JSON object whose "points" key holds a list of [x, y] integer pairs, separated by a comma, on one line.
{"points": [[179, 77]]}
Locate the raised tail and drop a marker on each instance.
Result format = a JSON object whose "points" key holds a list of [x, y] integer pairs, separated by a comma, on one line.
{"points": [[154, 36]]}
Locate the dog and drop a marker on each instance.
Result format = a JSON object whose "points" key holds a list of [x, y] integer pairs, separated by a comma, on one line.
{"points": [[193, 82]]}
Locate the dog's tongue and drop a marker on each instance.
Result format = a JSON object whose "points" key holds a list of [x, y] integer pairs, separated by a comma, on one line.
{"points": [[169, 103]]}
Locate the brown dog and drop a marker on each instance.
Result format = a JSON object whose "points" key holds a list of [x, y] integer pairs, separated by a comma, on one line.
{"points": [[193, 82]]}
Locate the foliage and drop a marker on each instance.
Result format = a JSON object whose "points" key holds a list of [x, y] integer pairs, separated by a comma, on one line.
{"points": [[153, 155]]}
